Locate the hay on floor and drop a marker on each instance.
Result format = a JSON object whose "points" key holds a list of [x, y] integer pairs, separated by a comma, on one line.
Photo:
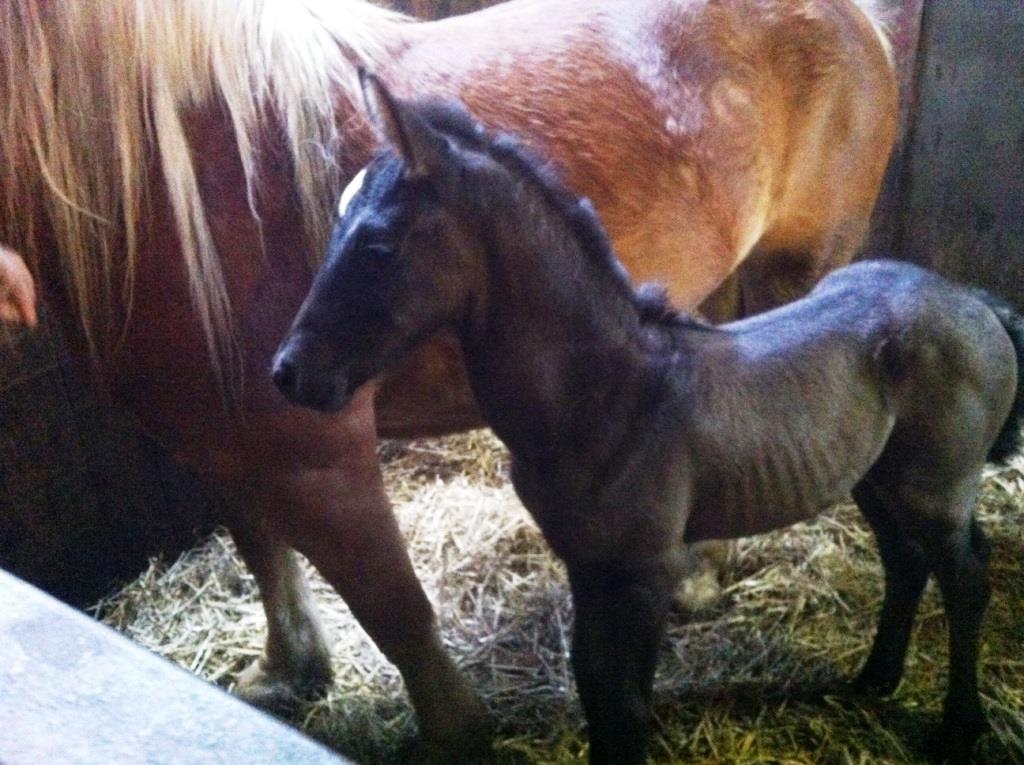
{"points": [[757, 680]]}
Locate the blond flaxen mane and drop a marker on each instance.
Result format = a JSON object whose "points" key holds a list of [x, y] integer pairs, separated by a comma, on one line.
{"points": [[91, 92]]}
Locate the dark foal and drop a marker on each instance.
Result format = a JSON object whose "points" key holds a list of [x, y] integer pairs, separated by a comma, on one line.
{"points": [[635, 430]]}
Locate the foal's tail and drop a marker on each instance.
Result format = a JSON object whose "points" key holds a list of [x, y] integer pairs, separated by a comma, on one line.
{"points": [[1010, 438]]}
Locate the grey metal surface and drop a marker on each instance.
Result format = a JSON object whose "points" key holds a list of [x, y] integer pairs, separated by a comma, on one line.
{"points": [[73, 691]]}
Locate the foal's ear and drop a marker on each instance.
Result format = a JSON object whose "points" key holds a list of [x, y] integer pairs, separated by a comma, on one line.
{"points": [[422, 147]]}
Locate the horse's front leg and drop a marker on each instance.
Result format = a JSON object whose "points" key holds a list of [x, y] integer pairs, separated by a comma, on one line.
{"points": [[620, 618], [331, 507], [296, 663]]}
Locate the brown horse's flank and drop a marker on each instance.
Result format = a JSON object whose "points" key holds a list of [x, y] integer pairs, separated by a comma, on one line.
{"points": [[635, 430], [169, 189]]}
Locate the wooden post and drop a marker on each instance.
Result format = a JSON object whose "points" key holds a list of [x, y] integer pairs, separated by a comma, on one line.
{"points": [[961, 183]]}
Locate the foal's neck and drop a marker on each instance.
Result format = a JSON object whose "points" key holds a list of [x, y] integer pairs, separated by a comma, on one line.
{"points": [[558, 358]]}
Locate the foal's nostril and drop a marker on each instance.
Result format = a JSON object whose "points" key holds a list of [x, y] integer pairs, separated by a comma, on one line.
{"points": [[285, 376]]}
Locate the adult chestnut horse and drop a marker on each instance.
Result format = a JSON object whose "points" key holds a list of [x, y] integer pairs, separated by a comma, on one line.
{"points": [[169, 171]]}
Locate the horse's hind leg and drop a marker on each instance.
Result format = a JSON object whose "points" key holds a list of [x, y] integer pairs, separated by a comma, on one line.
{"points": [[906, 572], [780, 270], [296, 662]]}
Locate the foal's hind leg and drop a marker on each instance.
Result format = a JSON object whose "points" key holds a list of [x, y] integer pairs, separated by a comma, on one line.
{"points": [[960, 563], [940, 520], [906, 572]]}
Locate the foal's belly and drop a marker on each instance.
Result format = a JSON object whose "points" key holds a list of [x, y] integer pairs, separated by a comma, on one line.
{"points": [[779, 484], [734, 518]]}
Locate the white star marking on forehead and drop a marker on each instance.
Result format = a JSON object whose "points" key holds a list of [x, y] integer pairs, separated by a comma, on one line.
{"points": [[350, 191]]}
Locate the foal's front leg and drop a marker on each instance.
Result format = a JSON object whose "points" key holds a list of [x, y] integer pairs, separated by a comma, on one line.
{"points": [[620, 618]]}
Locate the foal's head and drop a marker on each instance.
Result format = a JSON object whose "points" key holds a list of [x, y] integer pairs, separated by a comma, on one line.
{"points": [[403, 258], [417, 237]]}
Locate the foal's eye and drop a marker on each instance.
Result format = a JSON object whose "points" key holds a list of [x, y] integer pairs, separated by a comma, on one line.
{"points": [[381, 251]]}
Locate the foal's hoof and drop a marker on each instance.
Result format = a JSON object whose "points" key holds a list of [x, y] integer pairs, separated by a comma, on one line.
{"points": [[467, 753], [953, 743], [281, 692], [876, 682]]}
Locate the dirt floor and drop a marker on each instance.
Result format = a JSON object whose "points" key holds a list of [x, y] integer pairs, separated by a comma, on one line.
{"points": [[759, 679]]}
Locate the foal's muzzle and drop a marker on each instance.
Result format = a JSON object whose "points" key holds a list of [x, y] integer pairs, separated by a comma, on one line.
{"points": [[302, 372]]}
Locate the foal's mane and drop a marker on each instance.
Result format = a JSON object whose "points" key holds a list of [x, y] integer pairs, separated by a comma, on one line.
{"points": [[452, 119], [95, 96]]}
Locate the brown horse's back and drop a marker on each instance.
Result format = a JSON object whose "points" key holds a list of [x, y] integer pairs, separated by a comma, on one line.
{"points": [[693, 126]]}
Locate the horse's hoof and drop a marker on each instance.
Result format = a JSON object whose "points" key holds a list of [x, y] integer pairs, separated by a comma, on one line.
{"points": [[473, 747], [464, 740], [281, 692], [697, 594], [700, 589]]}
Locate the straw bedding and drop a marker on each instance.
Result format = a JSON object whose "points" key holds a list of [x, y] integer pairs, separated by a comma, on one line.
{"points": [[756, 680]]}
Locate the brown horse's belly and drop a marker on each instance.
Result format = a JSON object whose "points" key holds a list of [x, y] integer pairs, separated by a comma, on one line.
{"points": [[427, 394]]}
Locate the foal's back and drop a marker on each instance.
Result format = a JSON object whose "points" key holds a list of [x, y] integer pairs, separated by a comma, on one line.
{"points": [[884, 366]]}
